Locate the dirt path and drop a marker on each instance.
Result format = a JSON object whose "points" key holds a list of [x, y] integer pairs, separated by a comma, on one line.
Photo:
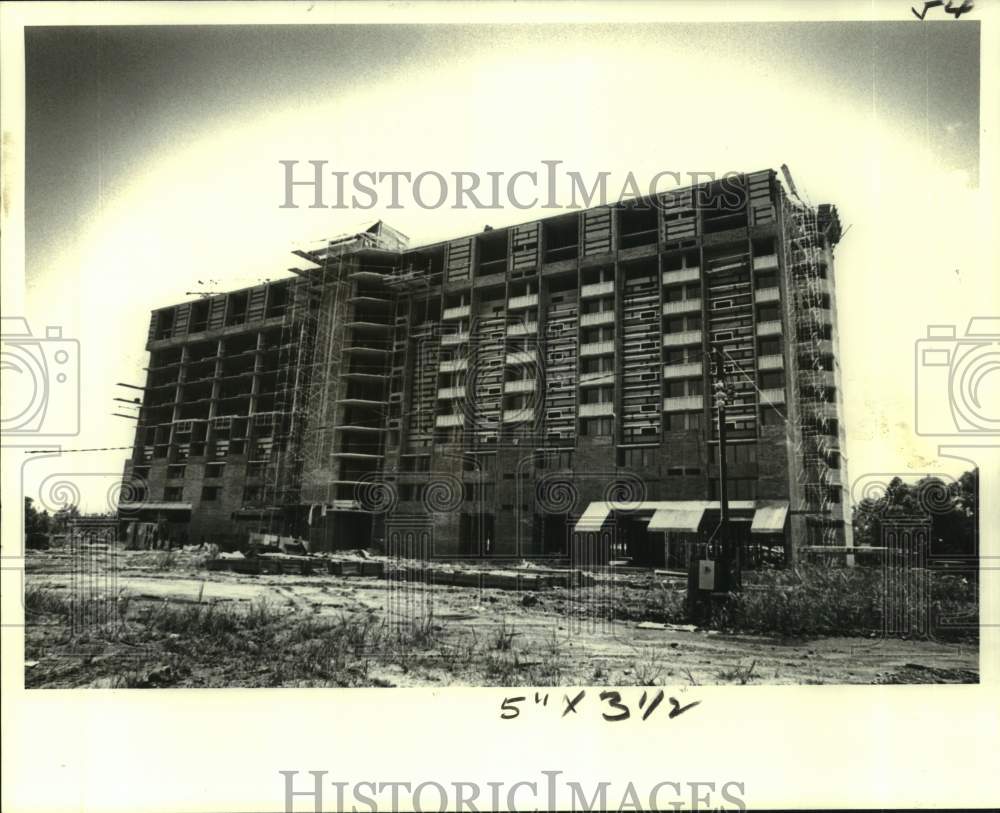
{"points": [[549, 626]]}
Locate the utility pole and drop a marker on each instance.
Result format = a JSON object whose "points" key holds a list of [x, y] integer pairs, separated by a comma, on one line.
{"points": [[731, 564]]}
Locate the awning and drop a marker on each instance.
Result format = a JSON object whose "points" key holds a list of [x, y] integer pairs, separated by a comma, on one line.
{"points": [[154, 506], [593, 518], [681, 517], [769, 518]]}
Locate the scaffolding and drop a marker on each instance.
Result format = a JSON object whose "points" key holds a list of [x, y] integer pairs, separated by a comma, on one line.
{"points": [[808, 233]]}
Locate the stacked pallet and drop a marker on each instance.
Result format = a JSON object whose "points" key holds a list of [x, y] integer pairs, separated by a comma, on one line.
{"points": [[641, 373], [731, 329], [680, 220], [488, 375], [597, 231], [761, 206], [423, 395], [560, 369], [525, 249], [460, 260]]}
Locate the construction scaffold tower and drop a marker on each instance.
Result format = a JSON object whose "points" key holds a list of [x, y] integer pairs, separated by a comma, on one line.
{"points": [[307, 350], [810, 235]]}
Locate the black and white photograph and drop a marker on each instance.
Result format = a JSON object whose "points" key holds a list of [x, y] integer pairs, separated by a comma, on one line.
{"points": [[601, 363]]}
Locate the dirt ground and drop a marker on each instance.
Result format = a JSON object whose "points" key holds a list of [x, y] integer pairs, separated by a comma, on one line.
{"points": [[454, 635]]}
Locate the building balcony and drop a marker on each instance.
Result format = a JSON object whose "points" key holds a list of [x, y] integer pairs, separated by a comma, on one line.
{"points": [[684, 306], [524, 385], [453, 365], [682, 339], [597, 349], [445, 421], [597, 379], [451, 339], [808, 255], [361, 326], [817, 378], [768, 295], [773, 396], [775, 362], [457, 312], [682, 275], [449, 393], [772, 328], [521, 302], [525, 415], [597, 289], [683, 403], [832, 477], [765, 262], [596, 410], [690, 370], [820, 411], [598, 318], [521, 358], [522, 329]]}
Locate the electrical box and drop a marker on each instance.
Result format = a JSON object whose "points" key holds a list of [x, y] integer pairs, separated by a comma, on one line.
{"points": [[706, 574]]}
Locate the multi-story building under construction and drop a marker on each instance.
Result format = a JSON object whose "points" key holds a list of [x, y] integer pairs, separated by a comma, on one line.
{"points": [[506, 393]]}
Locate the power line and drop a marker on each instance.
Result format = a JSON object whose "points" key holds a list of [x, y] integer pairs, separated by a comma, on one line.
{"points": [[63, 451]]}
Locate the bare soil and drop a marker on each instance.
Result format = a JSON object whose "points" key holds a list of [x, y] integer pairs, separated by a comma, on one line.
{"points": [[293, 630]]}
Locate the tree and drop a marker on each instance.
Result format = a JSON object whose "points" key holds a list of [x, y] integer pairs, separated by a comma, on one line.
{"points": [[952, 508], [36, 525]]}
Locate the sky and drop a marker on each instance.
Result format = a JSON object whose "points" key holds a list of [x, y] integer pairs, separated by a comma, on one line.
{"points": [[152, 168]]}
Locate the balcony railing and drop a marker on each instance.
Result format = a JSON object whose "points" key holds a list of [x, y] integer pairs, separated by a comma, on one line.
{"points": [[768, 295], [597, 318], [448, 393], [457, 312], [450, 339], [772, 362], [524, 385], [597, 289], [597, 348], [684, 337], [689, 370], [596, 410], [773, 396], [765, 262], [683, 403], [681, 275], [518, 415], [453, 365], [597, 379], [450, 420], [521, 357], [525, 301], [684, 306], [771, 328], [522, 329]]}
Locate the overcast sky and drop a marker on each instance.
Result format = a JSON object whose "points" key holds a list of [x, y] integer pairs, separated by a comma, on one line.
{"points": [[152, 166]]}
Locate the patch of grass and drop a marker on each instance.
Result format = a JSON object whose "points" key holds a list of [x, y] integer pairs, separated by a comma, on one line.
{"points": [[164, 644], [823, 600], [739, 672], [647, 668], [503, 638]]}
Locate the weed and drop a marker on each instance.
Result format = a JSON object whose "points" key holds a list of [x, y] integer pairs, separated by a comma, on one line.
{"points": [[648, 669], [503, 640], [739, 672]]}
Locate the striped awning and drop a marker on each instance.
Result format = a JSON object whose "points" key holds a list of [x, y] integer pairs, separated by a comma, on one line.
{"points": [[769, 518], [593, 518], [682, 517]]}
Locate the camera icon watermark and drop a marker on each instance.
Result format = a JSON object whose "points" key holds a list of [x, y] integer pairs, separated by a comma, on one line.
{"points": [[957, 383], [41, 381]]}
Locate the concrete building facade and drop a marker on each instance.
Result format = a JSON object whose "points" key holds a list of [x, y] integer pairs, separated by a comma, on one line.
{"points": [[516, 392]]}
